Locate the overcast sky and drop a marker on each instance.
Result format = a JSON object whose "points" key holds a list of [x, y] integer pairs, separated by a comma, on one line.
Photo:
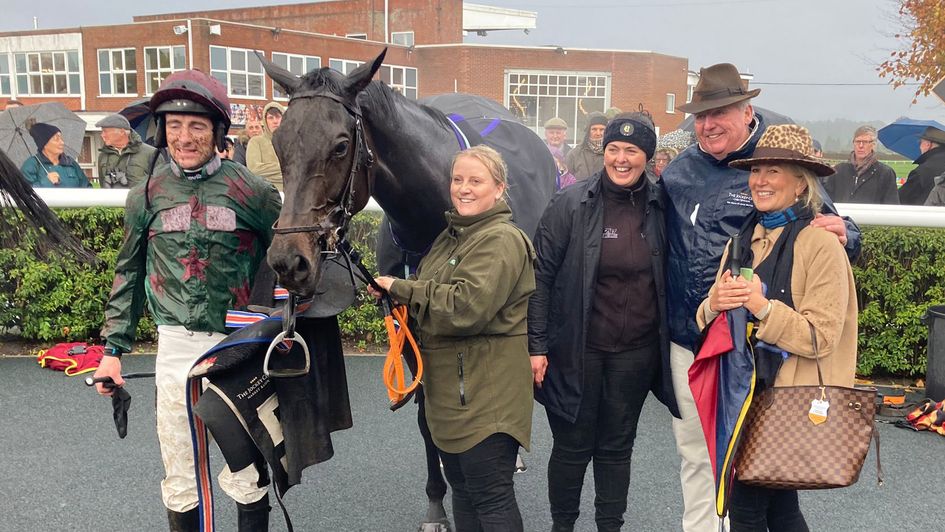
{"points": [[796, 42]]}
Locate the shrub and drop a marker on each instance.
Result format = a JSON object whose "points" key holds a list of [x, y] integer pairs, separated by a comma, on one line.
{"points": [[900, 273], [59, 298]]}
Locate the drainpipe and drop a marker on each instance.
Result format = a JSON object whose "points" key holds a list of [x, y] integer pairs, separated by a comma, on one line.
{"points": [[386, 17], [190, 45]]}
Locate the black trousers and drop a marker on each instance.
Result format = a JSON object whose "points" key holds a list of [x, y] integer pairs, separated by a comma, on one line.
{"points": [[756, 509], [483, 491], [615, 387]]}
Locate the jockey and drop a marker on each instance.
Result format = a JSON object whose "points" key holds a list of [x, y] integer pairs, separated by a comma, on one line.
{"points": [[195, 232]]}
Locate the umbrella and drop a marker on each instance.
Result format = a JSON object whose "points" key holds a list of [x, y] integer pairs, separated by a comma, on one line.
{"points": [[139, 116], [722, 380], [15, 125], [770, 117], [902, 136]]}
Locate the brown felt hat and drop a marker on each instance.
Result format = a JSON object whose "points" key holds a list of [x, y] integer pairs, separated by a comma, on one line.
{"points": [[933, 134], [719, 85], [785, 143]]}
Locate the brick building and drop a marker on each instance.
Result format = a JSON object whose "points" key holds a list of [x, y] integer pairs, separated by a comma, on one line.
{"points": [[98, 70]]}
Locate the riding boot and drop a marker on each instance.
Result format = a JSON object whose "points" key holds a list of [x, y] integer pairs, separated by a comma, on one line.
{"points": [[188, 521], [254, 517]]}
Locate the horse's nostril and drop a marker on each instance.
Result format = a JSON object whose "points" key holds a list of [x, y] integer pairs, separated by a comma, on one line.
{"points": [[301, 266]]}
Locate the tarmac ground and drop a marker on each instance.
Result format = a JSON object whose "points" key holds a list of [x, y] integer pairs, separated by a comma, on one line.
{"points": [[63, 467]]}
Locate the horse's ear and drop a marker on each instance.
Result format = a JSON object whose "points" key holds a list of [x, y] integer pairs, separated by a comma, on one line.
{"points": [[287, 80], [362, 75]]}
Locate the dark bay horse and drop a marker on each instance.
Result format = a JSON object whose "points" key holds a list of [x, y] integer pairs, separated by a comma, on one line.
{"points": [[345, 138]]}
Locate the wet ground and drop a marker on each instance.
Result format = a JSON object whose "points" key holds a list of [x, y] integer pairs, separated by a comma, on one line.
{"points": [[63, 467]]}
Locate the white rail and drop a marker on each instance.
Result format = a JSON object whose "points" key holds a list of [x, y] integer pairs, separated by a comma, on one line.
{"points": [[886, 215], [106, 197]]}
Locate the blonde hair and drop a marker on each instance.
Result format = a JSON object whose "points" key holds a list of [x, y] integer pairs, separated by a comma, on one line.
{"points": [[489, 158], [811, 196]]}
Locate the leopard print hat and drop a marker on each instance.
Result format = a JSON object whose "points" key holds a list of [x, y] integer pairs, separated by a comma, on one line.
{"points": [[785, 143]]}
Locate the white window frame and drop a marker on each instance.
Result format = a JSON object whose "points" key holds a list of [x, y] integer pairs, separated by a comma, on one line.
{"points": [[345, 66], [6, 75], [73, 78], [359, 36], [161, 72], [387, 74], [408, 35], [305, 61], [114, 72], [230, 73], [671, 103], [566, 85]]}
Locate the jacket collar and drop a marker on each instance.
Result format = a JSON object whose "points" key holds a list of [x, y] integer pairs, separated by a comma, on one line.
{"points": [[500, 212], [64, 159], [654, 191], [934, 152]]}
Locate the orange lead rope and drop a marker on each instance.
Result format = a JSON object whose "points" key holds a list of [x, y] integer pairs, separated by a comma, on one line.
{"points": [[397, 335]]}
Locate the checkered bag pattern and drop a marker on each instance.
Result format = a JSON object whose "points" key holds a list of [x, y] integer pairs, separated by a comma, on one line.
{"points": [[782, 448]]}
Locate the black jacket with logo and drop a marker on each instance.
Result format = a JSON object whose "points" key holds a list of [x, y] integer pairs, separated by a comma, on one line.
{"points": [[568, 242]]}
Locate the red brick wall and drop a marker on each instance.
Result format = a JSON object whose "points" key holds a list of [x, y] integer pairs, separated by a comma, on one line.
{"points": [[140, 36], [432, 21], [636, 77]]}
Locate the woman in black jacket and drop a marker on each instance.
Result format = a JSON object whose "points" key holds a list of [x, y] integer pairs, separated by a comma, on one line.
{"points": [[596, 326]]}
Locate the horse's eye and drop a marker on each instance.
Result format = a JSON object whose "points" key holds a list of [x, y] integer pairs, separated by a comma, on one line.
{"points": [[341, 149]]}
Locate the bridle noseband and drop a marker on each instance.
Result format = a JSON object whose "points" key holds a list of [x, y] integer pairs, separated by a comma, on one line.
{"points": [[325, 232]]}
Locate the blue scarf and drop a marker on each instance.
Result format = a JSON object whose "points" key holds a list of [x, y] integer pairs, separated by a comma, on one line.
{"points": [[771, 220]]}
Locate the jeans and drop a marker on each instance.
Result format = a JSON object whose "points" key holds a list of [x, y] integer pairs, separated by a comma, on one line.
{"points": [[756, 509], [483, 491], [615, 387]]}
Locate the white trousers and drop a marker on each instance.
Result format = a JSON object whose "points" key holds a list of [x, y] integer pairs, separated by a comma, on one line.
{"points": [[178, 348], [695, 471]]}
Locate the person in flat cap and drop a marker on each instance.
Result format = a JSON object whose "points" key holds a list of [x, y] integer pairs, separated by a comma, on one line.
{"points": [[124, 159], [802, 286], [556, 133], [587, 158], [707, 202], [596, 328], [931, 163], [50, 166]]}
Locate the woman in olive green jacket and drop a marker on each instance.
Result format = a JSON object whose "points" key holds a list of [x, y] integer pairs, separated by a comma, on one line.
{"points": [[469, 301]]}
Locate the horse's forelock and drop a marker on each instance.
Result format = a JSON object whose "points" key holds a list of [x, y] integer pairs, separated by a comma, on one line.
{"points": [[324, 77]]}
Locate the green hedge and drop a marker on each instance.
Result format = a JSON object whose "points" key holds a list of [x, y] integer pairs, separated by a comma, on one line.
{"points": [[900, 273], [58, 298]]}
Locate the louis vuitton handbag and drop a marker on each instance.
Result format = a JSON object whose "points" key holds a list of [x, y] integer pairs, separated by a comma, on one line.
{"points": [[808, 437]]}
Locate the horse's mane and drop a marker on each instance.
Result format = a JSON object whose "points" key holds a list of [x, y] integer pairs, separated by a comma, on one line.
{"points": [[386, 100], [377, 94]]}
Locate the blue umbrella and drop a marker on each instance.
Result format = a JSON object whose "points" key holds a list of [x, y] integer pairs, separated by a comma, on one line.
{"points": [[902, 136]]}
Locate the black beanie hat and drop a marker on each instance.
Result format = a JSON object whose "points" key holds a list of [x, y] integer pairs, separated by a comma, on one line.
{"points": [[41, 134], [635, 128]]}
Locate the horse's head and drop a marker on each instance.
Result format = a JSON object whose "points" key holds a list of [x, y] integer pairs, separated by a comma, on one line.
{"points": [[326, 168]]}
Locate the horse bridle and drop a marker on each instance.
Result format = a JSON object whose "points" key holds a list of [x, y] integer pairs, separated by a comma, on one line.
{"points": [[325, 231]]}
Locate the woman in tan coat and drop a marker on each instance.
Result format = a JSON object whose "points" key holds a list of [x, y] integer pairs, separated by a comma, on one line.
{"points": [[802, 279]]}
